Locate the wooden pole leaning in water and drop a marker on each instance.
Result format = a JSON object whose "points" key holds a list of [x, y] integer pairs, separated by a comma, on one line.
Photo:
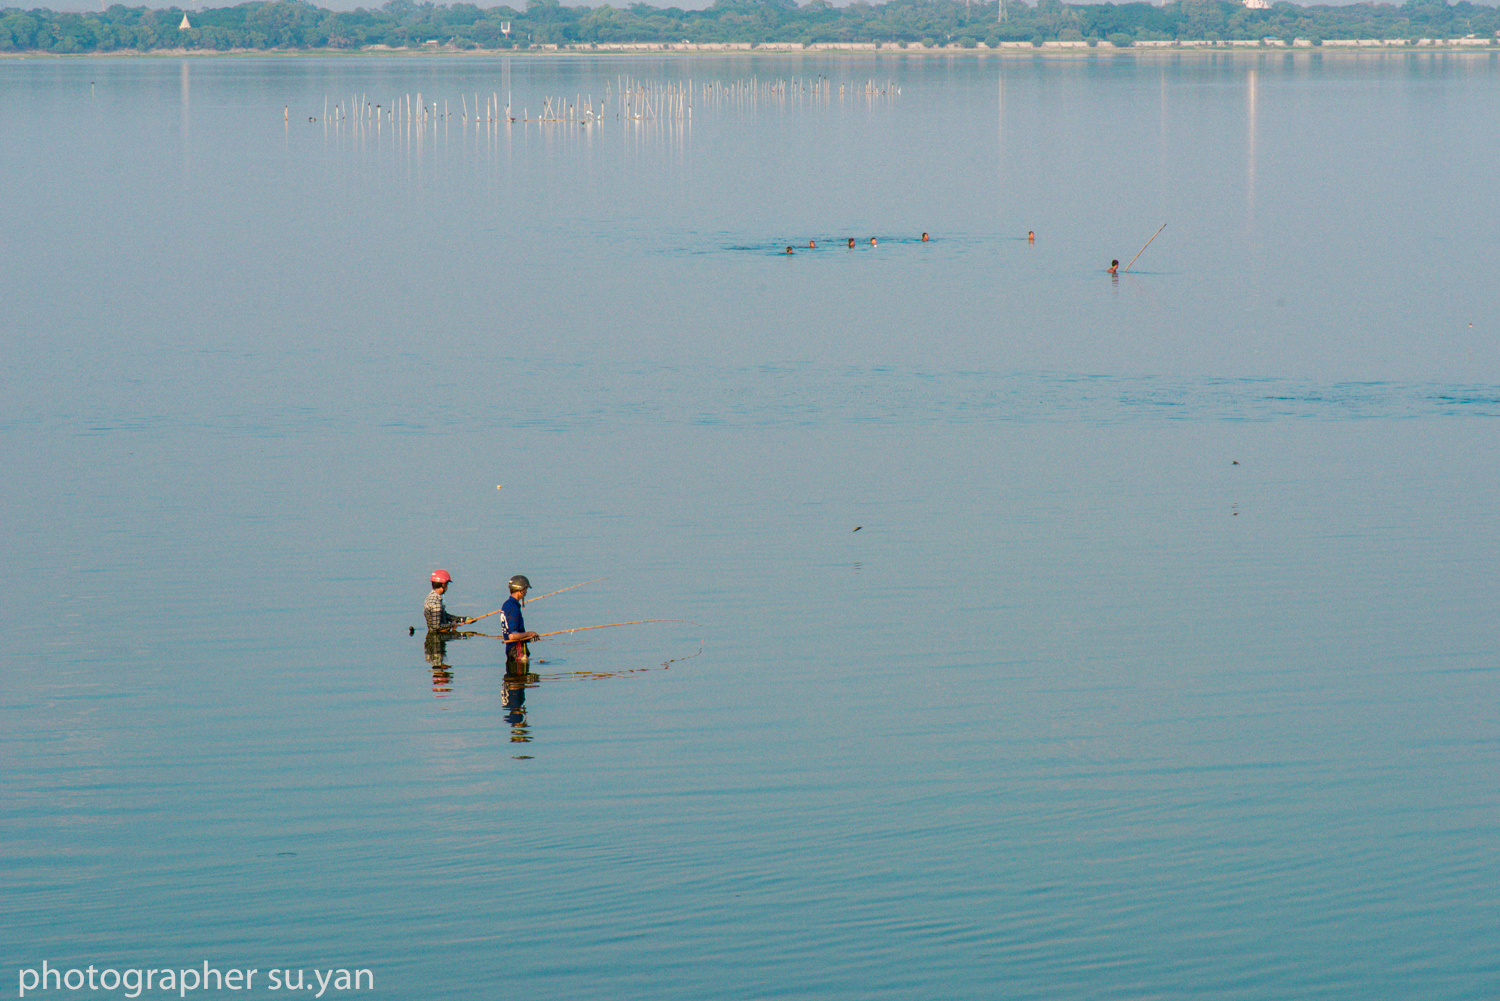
{"points": [[1138, 253]]}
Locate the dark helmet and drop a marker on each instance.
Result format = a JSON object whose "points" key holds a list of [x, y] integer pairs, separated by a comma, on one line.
{"points": [[519, 581]]}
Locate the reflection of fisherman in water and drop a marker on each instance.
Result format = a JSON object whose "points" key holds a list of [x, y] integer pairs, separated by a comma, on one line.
{"points": [[513, 699], [513, 687], [435, 647]]}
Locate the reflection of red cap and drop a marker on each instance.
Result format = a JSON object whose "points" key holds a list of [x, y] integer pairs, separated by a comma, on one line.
{"points": [[441, 577]]}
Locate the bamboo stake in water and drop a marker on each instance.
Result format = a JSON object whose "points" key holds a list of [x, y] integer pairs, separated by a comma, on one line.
{"points": [[1138, 253]]}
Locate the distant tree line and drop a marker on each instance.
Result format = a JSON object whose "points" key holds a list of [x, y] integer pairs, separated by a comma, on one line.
{"points": [[294, 24]]}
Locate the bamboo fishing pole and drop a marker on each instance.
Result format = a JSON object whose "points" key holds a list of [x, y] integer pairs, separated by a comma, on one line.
{"points": [[562, 589], [538, 598], [1138, 253], [611, 625]]}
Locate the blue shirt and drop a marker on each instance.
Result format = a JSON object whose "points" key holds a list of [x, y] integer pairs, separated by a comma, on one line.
{"points": [[510, 616]]}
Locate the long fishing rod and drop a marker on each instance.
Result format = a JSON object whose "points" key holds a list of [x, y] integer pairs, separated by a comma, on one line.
{"points": [[579, 629], [562, 589], [1138, 253], [611, 625], [538, 598]]}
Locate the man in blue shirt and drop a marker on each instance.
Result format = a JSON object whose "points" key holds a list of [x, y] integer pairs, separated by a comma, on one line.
{"points": [[513, 623]]}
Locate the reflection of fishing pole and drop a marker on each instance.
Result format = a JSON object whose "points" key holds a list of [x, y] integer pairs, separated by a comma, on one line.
{"points": [[449, 634], [538, 598], [1138, 253], [611, 625]]}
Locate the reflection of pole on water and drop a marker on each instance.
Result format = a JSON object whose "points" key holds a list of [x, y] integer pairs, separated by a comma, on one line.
{"points": [[1251, 89], [186, 83]]}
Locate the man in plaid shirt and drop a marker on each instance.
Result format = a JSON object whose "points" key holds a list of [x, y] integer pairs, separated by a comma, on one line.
{"points": [[438, 619]]}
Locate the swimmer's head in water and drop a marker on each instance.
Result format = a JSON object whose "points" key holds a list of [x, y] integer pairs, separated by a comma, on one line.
{"points": [[789, 250], [872, 241], [924, 237], [812, 244], [851, 241]]}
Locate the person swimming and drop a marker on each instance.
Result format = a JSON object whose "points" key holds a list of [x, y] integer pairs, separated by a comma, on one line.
{"points": [[1114, 267], [812, 244], [1031, 236], [924, 237], [789, 250], [851, 243], [872, 241]]}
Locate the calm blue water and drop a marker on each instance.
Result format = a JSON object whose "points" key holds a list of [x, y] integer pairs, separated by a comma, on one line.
{"points": [[1163, 663]]}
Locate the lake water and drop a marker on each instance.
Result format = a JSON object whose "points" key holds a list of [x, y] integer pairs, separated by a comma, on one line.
{"points": [[1163, 662]]}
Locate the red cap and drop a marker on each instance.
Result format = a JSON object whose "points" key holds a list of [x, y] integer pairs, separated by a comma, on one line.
{"points": [[441, 577]]}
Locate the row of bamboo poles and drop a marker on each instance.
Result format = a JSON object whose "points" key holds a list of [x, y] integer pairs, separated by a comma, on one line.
{"points": [[407, 110], [640, 99], [633, 100]]}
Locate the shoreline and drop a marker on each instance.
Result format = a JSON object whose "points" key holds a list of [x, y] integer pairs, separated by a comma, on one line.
{"points": [[1003, 50]]}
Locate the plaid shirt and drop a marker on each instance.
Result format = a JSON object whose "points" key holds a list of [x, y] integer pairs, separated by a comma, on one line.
{"points": [[436, 615]]}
